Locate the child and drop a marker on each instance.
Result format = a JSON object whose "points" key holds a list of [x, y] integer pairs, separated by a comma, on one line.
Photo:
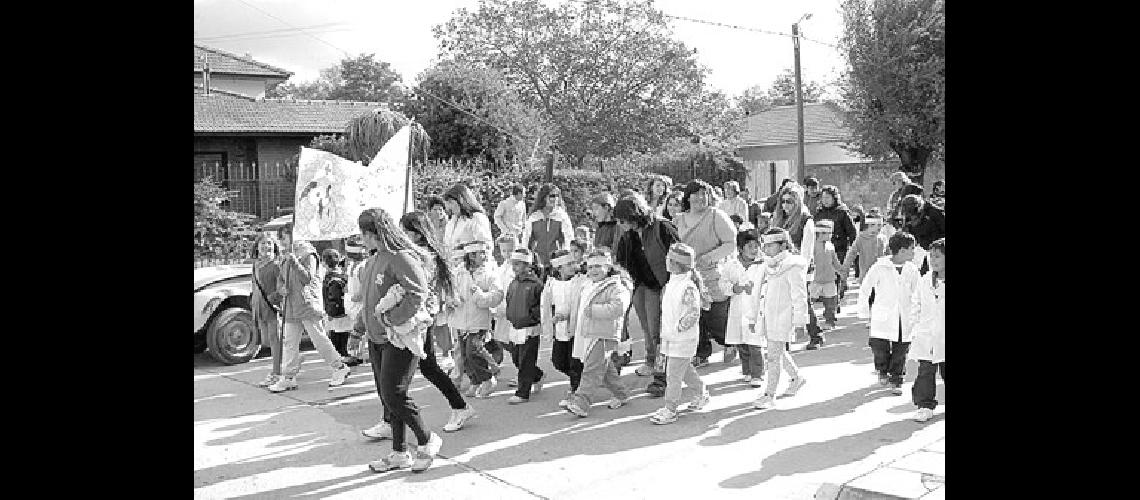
{"points": [[559, 295], [477, 291], [779, 311], [523, 306], [739, 278], [354, 255], [502, 330], [404, 335], [892, 279], [868, 247], [583, 233], [680, 312], [333, 290], [827, 267], [929, 343], [578, 250], [596, 320], [602, 210]]}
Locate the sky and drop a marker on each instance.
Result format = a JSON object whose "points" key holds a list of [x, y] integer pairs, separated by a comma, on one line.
{"points": [[399, 32]]}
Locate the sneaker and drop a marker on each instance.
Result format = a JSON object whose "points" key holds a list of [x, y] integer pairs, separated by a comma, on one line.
{"points": [[795, 386], [516, 400], [339, 375], [575, 408], [896, 389], [458, 418], [729, 354], [884, 380], [764, 402], [616, 403], [564, 403], [663, 416], [756, 382], [514, 382], [426, 454], [645, 370], [536, 387], [814, 343], [923, 414], [381, 430], [699, 403], [284, 384], [269, 380], [394, 460], [486, 388], [699, 361]]}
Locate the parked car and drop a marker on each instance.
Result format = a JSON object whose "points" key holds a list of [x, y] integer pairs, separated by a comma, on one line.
{"points": [[223, 321]]}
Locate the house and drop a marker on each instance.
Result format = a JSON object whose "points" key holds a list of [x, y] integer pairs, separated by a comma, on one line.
{"points": [[769, 148], [246, 141]]}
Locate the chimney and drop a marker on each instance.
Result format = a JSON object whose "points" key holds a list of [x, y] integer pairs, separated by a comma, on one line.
{"points": [[205, 75]]}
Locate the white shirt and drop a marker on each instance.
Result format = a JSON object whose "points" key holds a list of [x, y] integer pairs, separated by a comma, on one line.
{"points": [[510, 216], [735, 206]]}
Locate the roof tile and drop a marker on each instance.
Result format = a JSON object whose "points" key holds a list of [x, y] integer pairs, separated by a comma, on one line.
{"points": [[227, 63], [823, 122], [229, 112]]}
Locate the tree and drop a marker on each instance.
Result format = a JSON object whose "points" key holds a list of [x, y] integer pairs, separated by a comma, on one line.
{"points": [[783, 91], [481, 91], [895, 86], [753, 100], [217, 230], [360, 78], [607, 75]]}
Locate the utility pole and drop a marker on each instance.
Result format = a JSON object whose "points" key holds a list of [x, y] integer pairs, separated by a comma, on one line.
{"points": [[800, 170]]}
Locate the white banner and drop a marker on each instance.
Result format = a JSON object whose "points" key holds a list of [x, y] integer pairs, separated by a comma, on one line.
{"points": [[333, 191]]}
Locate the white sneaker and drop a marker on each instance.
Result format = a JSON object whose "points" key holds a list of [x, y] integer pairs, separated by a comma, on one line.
{"points": [[795, 387], [923, 414], [756, 382], [425, 454], [283, 384], [663, 416], [269, 380], [394, 460], [486, 388], [339, 375], [764, 402], [379, 431], [458, 418], [699, 403]]}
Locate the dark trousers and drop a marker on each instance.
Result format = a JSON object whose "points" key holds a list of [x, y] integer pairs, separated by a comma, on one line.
{"points": [[565, 363], [890, 358], [525, 356], [922, 392], [751, 360], [475, 356], [393, 369], [495, 349], [712, 325], [339, 342], [430, 369]]}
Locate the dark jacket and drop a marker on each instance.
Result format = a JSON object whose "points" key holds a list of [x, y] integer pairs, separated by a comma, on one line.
{"points": [[811, 201], [754, 210], [606, 236], [333, 292], [897, 196], [845, 231], [655, 241], [523, 301], [929, 226], [404, 268], [630, 255]]}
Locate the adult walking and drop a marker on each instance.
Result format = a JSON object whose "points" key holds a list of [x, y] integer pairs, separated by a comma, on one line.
{"points": [[657, 191], [712, 235], [812, 194], [265, 301], [548, 227], [467, 221], [831, 208], [398, 261], [672, 204], [903, 188], [642, 249], [926, 222], [773, 202], [510, 215], [733, 203], [795, 218]]}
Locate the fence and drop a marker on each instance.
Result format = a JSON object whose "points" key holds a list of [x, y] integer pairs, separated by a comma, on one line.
{"points": [[261, 190]]}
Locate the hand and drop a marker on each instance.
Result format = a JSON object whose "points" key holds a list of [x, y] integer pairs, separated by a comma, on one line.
{"points": [[475, 289]]}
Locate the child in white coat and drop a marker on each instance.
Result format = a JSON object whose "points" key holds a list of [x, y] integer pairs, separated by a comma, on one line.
{"points": [[596, 320], [892, 279], [929, 343], [559, 295], [477, 291], [779, 311], [680, 315], [503, 331], [739, 279]]}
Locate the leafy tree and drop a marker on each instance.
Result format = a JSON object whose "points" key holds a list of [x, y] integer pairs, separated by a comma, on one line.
{"points": [[607, 75], [481, 91], [360, 78], [218, 232], [753, 100], [895, 86], [783, 91]]}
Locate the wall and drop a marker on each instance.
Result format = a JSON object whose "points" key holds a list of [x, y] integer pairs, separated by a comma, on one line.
{"points": [[866, 184], [250, 86]]}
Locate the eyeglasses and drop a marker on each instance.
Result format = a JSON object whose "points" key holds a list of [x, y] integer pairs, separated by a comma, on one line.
{"points": [[788, 200]]}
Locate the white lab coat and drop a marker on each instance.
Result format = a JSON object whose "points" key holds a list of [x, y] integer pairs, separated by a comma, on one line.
{"points": [[734, 273], [929, 307], [780, 305], [893, 292]]}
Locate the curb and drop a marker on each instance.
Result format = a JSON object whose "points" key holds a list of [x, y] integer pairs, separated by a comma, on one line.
{"points": [[905, 481]]}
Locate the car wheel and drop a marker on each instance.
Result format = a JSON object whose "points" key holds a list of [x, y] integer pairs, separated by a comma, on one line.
{"points": [[232, 338]]}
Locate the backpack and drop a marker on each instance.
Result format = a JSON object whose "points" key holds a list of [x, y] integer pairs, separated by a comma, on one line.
{"points": [[333, 292]]}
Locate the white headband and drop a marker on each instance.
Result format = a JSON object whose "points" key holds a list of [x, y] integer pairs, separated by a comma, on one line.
{"points": [[562, 261], [874, 220], [824, 224], [474, 246], [773, 238], [522, 256], [600, 260], [681, 257]]}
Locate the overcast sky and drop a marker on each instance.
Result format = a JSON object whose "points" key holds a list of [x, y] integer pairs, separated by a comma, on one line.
{"points": [[399, 32]]}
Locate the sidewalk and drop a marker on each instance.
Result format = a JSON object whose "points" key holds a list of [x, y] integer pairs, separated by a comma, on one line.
{"points": [[921, 474]]}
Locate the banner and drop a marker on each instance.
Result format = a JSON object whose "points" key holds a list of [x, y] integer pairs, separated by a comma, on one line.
{"points": [[333, 191]]}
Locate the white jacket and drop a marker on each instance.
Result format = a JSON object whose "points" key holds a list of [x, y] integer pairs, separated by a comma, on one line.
{"points": [[779, 306], [893, 292], [734, 273], [504, 332], [560, 297], [680, 316], [929, 307], [474, 311], [465, 229]]}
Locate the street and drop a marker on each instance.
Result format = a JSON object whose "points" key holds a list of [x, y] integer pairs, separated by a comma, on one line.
{"points": [[250, 443]]}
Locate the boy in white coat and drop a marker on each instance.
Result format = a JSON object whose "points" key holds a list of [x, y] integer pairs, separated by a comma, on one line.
{"points": [[892, 279], [740, 278], [680, 333], [929, 344], [779, 311]]}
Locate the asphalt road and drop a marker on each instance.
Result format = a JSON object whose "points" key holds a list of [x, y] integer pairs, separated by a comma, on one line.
{"points": [[249, 443]]}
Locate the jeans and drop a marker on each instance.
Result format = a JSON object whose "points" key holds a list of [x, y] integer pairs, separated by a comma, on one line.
{"points": [[565, 363], [890, 358], [475, 356], [525, 356], [779, 357], [751, 360], [430, 369], [712, 324], [291, 353], [598, 371], [394, 376], [922, 392], [647, 303], [678, 370]]}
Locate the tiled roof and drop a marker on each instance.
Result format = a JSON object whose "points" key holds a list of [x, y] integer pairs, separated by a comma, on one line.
{"points": [[823, 122], [223, 111], [226, 63]]}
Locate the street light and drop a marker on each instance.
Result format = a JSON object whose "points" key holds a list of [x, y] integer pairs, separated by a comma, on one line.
{"points": [[799, 97]]}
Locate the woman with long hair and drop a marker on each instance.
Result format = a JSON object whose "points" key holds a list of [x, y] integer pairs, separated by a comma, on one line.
{"points": [[417, 271], [672, 205], [548, 228], [265, 301], [467, 221], [657, 191], [794, 217]]}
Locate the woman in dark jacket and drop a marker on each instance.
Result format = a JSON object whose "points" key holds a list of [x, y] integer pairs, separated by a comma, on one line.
{"points": [[831, 208]]}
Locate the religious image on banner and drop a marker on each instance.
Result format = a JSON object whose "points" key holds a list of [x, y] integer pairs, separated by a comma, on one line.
{"points": [[333, 191]]}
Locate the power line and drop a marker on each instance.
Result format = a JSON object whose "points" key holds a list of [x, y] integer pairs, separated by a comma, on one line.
{"points": [[243, 2], [324, 26]]}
